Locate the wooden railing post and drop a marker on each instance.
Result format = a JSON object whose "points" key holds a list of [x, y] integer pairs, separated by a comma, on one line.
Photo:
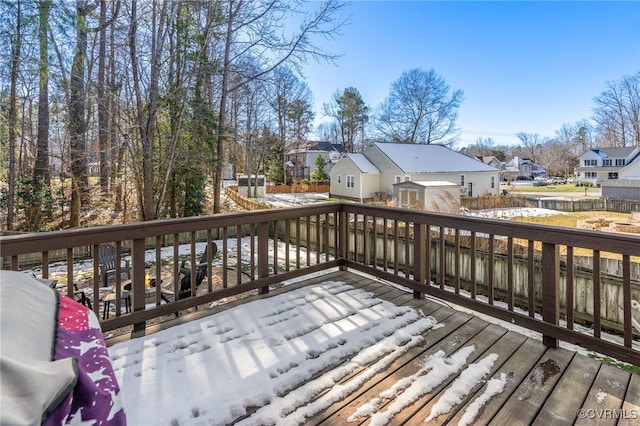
{"points": [[263, 254], [550, 289], [137, 282]]}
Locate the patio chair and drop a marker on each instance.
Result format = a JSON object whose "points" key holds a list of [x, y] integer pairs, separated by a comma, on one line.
{"points": [[185, 273], [107, 261]]}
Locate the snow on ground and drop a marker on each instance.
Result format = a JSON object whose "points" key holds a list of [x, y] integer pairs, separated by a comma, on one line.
{"points": [[294, 199], [510, 213]]}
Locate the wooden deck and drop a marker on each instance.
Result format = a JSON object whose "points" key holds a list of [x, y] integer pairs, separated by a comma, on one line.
{"points": [[545, 386]]}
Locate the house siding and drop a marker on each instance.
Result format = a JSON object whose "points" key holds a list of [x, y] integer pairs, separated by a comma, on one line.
{"points": [[388, 169], [365, 184]]}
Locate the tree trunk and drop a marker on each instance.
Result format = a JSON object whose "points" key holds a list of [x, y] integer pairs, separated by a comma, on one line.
{"points": [[103, 135], [41, 176], [77, 122], [16, 51]]}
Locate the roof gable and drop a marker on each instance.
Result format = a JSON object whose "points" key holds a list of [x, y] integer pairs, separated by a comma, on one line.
{"points": [[421, 158], [362, 163]]}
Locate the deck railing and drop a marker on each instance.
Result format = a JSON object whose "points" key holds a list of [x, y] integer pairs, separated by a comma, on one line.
{"points": [[516, 272]]}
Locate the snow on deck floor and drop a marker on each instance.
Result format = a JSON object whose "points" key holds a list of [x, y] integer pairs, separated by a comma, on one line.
{"points": [[264, 357]]}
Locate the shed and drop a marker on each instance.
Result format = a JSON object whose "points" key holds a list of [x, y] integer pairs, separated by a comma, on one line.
{"points": [[438, 195]]}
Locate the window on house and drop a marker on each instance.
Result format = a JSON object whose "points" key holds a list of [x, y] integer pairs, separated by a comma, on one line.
{"points": [[607, 162], [351, 181], [619, 161], [493, 182], [590, 163], [407, 178], [461, 180], [591, 175], [613, 175], [397, 179], [338, 178]]}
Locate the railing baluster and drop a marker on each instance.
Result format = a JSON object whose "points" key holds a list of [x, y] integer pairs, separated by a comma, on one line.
{"points": [[407, 250], [473, 265], [225, 257], [252, 249], [275, 246], [626, 300], [137, 275], [318, 246], [385, 258], [158, 270], [569, 289], [510, 291], [176, 265], [298, 239], [395, 247], [597, 326], [550, 289], [530, 279], [442, 268], [239, 254], [491, 269], [308, 240], [209, 260], [365, 240], [287, 235], [418, 256], [456, 282], [45, 264]]}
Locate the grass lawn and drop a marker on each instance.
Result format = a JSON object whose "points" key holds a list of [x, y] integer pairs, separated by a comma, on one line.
{"points": [[568, 188], [570, 220]]}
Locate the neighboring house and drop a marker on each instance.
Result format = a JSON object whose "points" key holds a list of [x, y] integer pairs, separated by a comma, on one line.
{"points": [[627, 186], [493, 161], [301, 159], [601, 164], [354, 177], [525, 167], [372, 174]]}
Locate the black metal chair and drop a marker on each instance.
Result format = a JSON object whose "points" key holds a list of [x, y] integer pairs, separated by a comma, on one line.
{"points": [[185, 273], [107, 262]]}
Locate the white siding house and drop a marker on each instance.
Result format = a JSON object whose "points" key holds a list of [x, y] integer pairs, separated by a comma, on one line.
{"points": [[627, 186], [353, 176], [601, 164], [393, 163]]}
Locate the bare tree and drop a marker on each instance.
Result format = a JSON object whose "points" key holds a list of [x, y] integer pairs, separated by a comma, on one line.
{"points": [[617, 113], [532, 143], [421, 108], [285, 90], [252, 30]]}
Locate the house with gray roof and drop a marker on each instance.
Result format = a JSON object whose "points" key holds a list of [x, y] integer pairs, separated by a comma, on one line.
{"points": [[604, 164], [373, 174], [300, 158], [627, 186]]}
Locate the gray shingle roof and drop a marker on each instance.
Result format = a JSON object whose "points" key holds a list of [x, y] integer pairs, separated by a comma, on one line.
{"points": [[420, 158]]}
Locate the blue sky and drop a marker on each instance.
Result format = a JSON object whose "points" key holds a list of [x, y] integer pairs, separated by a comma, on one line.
{"points": [[523, 66]]}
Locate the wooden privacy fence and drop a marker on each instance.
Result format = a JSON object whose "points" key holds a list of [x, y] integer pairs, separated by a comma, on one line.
{"points": [[564, 205]]}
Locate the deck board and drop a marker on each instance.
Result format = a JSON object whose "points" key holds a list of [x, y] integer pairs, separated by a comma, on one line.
{"points": [[544, 386], [568, 397]]}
